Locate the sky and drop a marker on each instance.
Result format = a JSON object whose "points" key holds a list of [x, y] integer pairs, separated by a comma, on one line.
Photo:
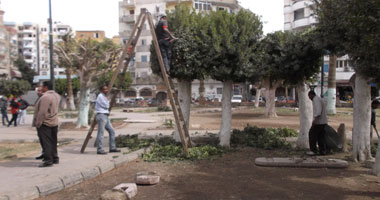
{"points": [[104, 14]]}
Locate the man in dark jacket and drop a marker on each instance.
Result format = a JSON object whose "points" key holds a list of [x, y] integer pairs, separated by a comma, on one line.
{"points": [[165, 39]]}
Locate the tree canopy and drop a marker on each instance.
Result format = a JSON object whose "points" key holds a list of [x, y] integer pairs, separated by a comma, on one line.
{"points": [[61, 85], [27, 73], [354, 27], [14, 87]]}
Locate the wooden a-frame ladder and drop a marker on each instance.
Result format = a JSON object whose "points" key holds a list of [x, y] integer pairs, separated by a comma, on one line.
{"points": [[125, 59]]}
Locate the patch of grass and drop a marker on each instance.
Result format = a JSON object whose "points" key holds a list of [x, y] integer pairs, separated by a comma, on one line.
{"points": [[253, 136], [118, 119], [169, 123], [11, 150], [164, 109], [132, 142], [147, 110]]}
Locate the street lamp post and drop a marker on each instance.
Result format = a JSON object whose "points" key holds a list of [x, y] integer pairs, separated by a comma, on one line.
{"points": [[51, 47]]}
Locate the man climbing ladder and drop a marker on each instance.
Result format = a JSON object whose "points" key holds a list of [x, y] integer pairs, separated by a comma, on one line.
{"points": [[165, 40]]}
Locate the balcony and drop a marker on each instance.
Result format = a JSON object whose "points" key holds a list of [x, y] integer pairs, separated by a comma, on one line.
{"points": [[127, 19], [143, 48], [301, 23], [128, 3], [298, 5]]}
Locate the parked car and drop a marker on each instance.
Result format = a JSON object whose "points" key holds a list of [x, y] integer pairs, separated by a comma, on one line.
{"points": [[236, 98]]}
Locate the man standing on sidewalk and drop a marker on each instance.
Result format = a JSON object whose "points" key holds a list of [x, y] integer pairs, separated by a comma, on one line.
{"points": [[46, 121], [317, 130], [3, 107], [102, 118], [39, 94]]}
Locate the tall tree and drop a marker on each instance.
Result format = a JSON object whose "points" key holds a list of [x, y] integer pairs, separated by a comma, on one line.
{"points": [[187, 63], [269, 63], [232, 38], [64, 51], [303, 59], [91, 59], [27, 73], [354, 25]]}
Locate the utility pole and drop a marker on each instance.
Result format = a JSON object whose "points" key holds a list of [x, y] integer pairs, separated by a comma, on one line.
{"points": [[51, 47]]}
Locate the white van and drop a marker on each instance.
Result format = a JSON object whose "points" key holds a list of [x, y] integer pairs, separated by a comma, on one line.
{"points": [[236, 98]]}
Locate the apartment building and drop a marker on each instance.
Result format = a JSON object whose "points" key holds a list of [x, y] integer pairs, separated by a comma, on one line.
{"points": [[145, 84], [299, 15], [96, 35], [8, 51]]}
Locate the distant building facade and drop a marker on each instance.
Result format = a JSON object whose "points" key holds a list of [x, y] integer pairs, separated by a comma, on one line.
{"points": [[84, 35], [8, 51]]}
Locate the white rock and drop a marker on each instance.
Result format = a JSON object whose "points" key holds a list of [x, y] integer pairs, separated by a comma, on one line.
{"points": [[128, 188]]}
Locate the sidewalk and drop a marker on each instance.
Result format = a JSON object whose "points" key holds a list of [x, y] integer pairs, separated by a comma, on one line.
{"points": [[23, 179]]}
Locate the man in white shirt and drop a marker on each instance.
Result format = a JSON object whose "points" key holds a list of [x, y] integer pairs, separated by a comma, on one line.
{"points": [[102, 118], [317, 130]]}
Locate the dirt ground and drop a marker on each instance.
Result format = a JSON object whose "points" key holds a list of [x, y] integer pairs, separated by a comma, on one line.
{"points": [[234, 175]]}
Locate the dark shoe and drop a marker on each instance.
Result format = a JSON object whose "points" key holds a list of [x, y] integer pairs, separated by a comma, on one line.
{"points": [[56, 162], [40, 157], [102, 152], [45, 165], [115, 151]]}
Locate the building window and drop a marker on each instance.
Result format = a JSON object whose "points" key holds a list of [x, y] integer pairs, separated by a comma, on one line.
{"points": [[131, 12], [199, 5], [143, 42], [144, 58], [219, 90], [96, 35], [221, 8], [133, 74], [299, 14], [157, 9]]}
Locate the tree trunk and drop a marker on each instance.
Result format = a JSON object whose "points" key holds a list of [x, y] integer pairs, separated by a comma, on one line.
{"points": [[286, 94], [331, 91], [202, 92], [257, 97], [270, 94], [305, 115], [376, 167], [84, 105], [184, 97], [225, 128], [361, 148], [70, 90]]}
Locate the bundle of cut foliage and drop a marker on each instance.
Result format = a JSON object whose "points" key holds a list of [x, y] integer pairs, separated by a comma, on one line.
{"points": [[132, 142], [175, 152], [254, 136]]}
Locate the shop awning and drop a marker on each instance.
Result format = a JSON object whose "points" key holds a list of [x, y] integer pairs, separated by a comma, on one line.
{"points": [[3, 71], [16, 73]]}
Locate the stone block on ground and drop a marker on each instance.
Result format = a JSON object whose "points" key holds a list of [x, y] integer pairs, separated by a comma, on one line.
{"points": [[72, 179], [369, 163], [114, 195], [90, 173], [128, 188], [50, 187], [147, 178], [313, 162]]}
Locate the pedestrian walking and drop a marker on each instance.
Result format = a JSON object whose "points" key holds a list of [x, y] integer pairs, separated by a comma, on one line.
{"points": [[102, 106], [3, 107], [46, 121], [317, 130], [15, 105], [22, 112]]}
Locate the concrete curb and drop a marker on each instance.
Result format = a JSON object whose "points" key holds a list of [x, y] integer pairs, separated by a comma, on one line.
{"points": [[74, 178]]}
